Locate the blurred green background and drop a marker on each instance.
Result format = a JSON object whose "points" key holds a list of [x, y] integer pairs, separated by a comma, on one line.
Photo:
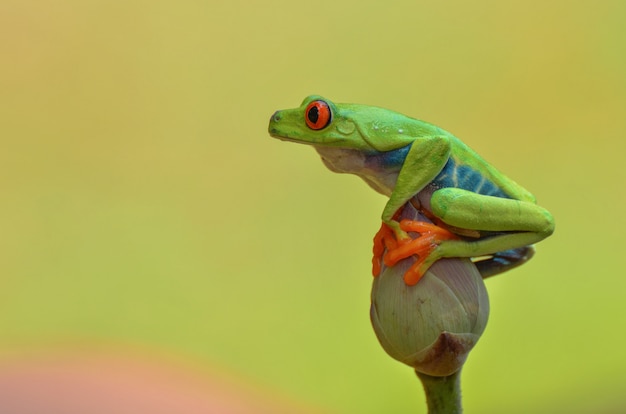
{"points": [[142, 201]]}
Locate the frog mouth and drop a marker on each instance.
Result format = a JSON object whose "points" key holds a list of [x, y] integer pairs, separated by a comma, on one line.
{"points": [[288, 137]]}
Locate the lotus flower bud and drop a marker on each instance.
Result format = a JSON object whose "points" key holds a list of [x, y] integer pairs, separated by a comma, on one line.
{"points": [[432, 325]]}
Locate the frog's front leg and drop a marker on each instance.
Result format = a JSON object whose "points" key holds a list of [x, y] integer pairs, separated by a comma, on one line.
{"points": [[425, 159]]}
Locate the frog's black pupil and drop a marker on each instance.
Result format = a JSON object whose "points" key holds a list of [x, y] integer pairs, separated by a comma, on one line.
{"points": [[313, 114]]}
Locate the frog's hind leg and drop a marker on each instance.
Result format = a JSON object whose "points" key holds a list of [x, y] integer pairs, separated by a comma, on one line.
{"points": [[502, 261]]}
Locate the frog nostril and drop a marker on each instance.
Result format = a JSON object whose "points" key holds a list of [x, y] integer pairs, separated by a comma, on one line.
{"points": [[276, 116]]}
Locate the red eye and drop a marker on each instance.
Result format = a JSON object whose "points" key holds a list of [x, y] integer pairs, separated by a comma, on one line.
{"points": [[317, 115]]}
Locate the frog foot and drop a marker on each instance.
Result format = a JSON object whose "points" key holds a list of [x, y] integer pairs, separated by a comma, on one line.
{"points": [[398, 248]]}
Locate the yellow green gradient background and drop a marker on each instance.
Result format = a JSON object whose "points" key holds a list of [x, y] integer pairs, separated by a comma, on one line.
{"points": [[142, 201]]}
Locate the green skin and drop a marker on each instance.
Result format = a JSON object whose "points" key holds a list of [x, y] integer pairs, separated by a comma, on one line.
{"points": [[356, 139]]}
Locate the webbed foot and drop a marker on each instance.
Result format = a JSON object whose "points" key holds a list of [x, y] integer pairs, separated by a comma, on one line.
{"points": [[400, 246]]}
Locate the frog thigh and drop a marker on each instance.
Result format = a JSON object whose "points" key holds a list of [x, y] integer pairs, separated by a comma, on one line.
{"points": [[469, 210]]}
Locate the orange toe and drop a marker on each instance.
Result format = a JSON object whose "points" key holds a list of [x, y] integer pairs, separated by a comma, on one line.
{"points": [[389, 250]]}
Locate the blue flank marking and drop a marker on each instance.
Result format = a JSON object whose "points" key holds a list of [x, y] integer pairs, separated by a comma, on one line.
{"points": [[453, 174], [465, 177], [389, 160], [502, 261], [457, 175]]}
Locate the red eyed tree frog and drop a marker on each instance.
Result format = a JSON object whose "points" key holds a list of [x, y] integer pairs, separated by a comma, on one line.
{"points": [[476, 211]]}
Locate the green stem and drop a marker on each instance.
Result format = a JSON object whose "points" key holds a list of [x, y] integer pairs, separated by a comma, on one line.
{"points": [[443, 394]]}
